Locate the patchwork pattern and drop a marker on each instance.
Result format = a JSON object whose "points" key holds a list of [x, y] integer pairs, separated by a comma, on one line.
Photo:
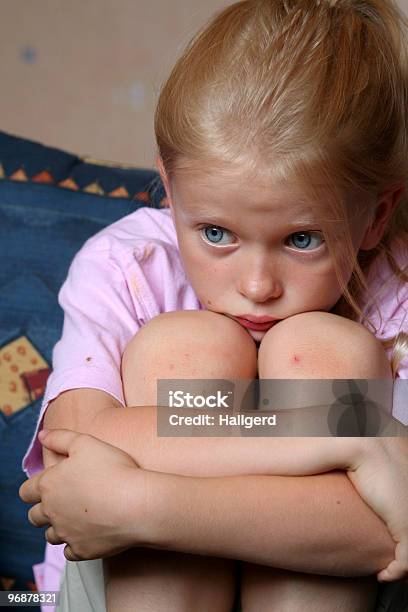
{"points": [[93, 187], [23, 375], [27, 162]]}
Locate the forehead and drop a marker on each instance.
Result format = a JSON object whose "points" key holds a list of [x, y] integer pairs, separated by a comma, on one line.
{"points": [[237, 192]]}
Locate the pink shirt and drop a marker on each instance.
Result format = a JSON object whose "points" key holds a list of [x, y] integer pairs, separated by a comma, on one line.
{"points": [[121, 278]]}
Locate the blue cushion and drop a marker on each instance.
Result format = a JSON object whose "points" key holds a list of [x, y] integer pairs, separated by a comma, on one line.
{"points": [[51, 202]]}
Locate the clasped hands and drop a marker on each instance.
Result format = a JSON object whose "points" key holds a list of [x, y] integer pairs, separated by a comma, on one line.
{"points": [[105, 508]]}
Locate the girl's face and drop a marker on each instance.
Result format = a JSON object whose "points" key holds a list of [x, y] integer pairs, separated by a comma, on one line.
{"points": [[253, 250]]}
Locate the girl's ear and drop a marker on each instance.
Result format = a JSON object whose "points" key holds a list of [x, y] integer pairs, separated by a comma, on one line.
{"points": [[165, 180], [385, 208]]}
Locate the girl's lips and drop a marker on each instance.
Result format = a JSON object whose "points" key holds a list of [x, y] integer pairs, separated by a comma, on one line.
{"points": [[256, 326]]}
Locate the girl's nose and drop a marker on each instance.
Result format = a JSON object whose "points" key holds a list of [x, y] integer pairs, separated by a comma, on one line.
{"points": [[261, 287]]}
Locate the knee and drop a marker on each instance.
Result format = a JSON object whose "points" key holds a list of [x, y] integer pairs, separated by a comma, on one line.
{"points": [[195, 343], [321, 345]]}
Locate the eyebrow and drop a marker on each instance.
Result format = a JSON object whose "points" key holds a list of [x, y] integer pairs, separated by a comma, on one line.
{"points": [[209, 217], [217, 219]]}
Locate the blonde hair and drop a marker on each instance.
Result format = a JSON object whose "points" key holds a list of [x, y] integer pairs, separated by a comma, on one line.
{"points": [[312, 91]]}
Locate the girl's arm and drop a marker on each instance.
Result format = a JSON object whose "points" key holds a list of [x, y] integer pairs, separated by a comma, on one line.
{"points": [[329, 529], [352, 540], [315, 524], [134, 430]]}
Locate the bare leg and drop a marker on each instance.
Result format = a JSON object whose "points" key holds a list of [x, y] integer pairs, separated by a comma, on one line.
{"points": [[188, 344], [326, 346]]}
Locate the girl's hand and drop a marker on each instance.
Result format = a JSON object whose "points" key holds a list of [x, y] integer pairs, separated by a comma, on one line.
{"points": [[85, 497], [381, 478]]}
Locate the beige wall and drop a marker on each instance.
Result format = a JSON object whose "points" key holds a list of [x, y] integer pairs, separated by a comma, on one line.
{"points": [[84, 74]]}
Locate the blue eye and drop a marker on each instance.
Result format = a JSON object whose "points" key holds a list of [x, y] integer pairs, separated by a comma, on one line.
{"points": [[213, 233], [303, 240]]}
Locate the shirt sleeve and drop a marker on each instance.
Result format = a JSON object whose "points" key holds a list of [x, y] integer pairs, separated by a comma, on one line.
{"points": [[99, 320]]}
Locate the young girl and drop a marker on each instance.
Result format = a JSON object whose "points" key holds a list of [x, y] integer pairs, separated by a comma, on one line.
{"points": [[282, 144]]}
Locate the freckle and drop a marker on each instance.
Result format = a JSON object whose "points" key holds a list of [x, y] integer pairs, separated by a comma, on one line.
{"points": [[338, 502], [88, 358], [209, 302], [295, 359], [86, 509]]}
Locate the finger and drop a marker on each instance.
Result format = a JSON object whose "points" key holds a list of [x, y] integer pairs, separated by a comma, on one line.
{"points": [[397, 569], [394, 571], [69, 554], [37, 517], [52, 537], [59, 440], [384, 576], [29, 491]]}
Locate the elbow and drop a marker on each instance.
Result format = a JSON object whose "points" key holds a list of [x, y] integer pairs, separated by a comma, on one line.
{"points": [[356, 558], [366, 546]]}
